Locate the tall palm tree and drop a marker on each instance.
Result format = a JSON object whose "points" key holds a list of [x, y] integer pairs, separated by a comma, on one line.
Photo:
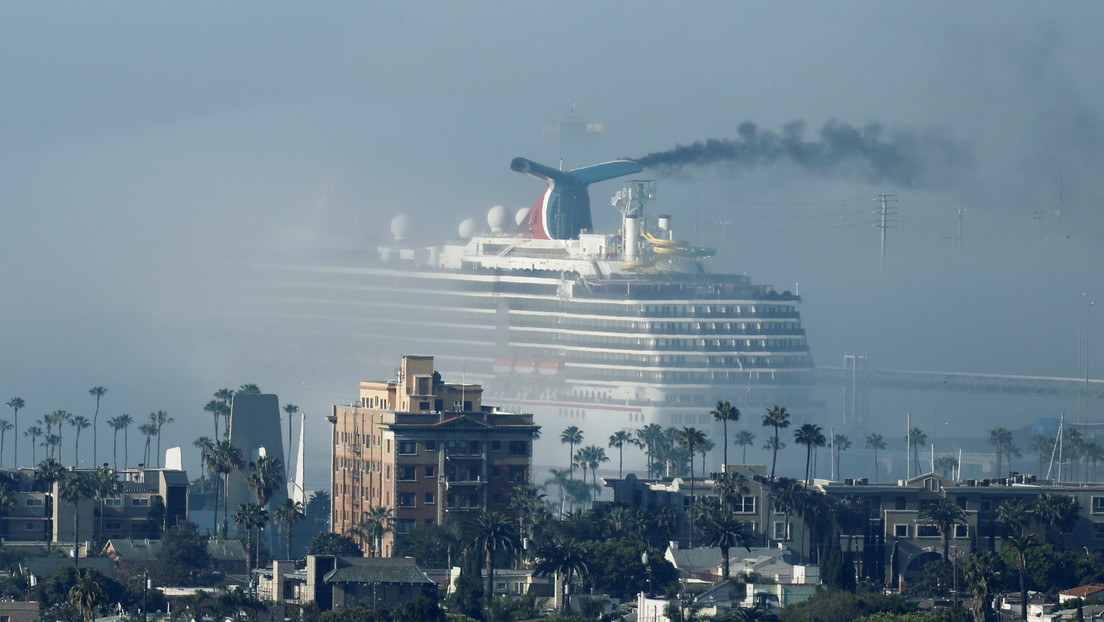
{"points": [[215, 408], [1014, 515], [1001, 440], [126, 420], [562, 557], [776, 418], [944, 516], [559, 478], [16, 403], [1043, 446], [877, 443], [984, 571], [5, 425], [74, 489], [33, 432], [377, 522], [148, 430], [840, 444], [266, 474], [98, 393], [225, 399], [56, 421], [1021, 544], [490, 532], [724, 531], [810, 435], [571, 436], [102, 483], [290, 409], [86, 595], [724, 412], [915, 440], [159, 419], [47, 473], [690, 437], [79, 422], [648, 437], [728, 486], [204, 444], [249, 389], [591, 457], [619, 439], [116, 424], [288, 514], [250, 516], [225, 459], [1055, 511], [744, 438]]}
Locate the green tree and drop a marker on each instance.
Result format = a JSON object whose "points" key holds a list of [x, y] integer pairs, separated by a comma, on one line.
{"points": [[946, 465], [724, 412], [490, 532], [225, 459], [17, 404], [250, 516], [875, 442], [266, 475], [1021, 544], [125, 421], [33, 432], [98, 393], [330, 543], [5, 426], [159, 420], [87, 595], [571, 436], [432, 546], [984, 571], [728, 486], [618, 440], [1014, 515], [148, 430], [840, 444], [724, 531], [290, 409], [184, 559], [915, 440], [649, 437], [1057, 512], [776, 418], [288, 514], [943, 515], [116, 424], [1001, 440], [744, 438], [79, 422], [688, 438], [563, 558], [591, 457], [73, 490], [377, 522], [810, 435], [617, 568]]}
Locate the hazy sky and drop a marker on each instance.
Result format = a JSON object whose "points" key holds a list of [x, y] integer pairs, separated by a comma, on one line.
{"points": [[147, 148]]}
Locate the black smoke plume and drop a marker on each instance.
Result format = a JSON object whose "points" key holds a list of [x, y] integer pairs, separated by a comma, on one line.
{"points": [[903, 158]]}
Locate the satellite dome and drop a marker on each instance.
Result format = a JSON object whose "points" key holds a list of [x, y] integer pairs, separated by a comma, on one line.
{"points": [[400, 226], [467, 228], [498, 218], [522, 216]]}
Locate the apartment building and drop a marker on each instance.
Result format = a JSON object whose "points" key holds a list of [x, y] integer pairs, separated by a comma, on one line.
{"points": [[427, 449]]}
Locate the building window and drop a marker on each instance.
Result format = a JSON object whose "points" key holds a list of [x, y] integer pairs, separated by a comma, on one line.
{"points": [[407, 473], [901, 531], [407, 448], [30, 527], [431, 470], [1098, 505], [33, 502], [962, 531], [405, 525], [113, 503], [744, 504], [1098, 530], [431, 445], [406, 500], [517, 475], [430, 498], [926, 531], [781, 530], [142, 502], [113, 526], [519, 448]]}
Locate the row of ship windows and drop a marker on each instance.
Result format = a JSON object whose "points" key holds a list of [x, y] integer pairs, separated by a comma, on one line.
{"points": [[702, 345], [660, 328], [711, 366], [757, 310], [710, 378]]}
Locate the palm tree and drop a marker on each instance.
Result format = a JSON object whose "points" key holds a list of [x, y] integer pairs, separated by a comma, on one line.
{"points": [[840, 444], [33, 432], [1021, 544], [96, 392], [560, 479], [619, 439], [377, 522], [204, 444], [159, 419], [47, 473], [562, 557], [689, 438], [73, 490], [215, 408], [249, 389], [225, 398], [724, 531], [1043, 446], [86, 595], [102, 483], [16, 403], [490, 532], [916, 439], [288, 514], [730, 485], [944, 515], [590, 457], [148, 430], [265, 476], [572, 436], [776, 418], [648, 437], [1001, 440], [79, 422], [725, 412], [1056, 511], [810, 435], [125, 420], [1014, 515], [946, 464], [744, 438], [250, 516], [290, 409], [223, 459], [56, 418], [984, 572], [5, 425], [787, 497], [116, 424], [877, 443]]}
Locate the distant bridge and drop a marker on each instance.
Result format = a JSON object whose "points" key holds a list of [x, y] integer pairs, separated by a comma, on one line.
{"points": [[856, 378]]}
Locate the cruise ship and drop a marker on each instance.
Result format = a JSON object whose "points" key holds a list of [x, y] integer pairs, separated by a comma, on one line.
{"points": [[605, 331]]}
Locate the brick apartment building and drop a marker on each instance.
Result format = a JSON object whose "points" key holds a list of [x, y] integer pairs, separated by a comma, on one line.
{"points": [[428, 449]]}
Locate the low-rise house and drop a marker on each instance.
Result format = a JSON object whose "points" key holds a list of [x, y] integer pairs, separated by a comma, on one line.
{"points": [[19, 611], [227, 556], [334, 582], [1091, 593]]}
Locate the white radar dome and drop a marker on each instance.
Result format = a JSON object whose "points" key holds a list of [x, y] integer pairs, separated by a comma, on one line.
{"points": [[522, 216], [498, 218], [467, 228], [400, 227]]}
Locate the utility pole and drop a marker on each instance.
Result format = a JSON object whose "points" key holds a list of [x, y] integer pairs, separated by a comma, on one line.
{"points": [[885, 211]]}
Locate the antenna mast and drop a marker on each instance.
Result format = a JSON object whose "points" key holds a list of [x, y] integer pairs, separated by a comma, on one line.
{"points": [[885, 211]]}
